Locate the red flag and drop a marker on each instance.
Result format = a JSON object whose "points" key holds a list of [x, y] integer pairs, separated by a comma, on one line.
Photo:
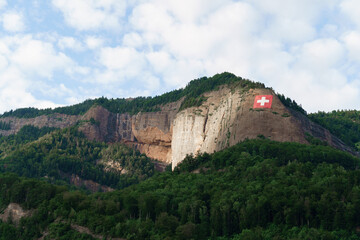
{"points": [[263, 101]]}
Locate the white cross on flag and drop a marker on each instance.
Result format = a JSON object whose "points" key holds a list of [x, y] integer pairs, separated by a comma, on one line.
{"points": [[263, 101]]}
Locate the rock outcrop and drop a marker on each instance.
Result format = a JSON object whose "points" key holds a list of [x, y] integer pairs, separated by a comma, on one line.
{"points": [[149, 132], [56, 120], [228, 117], [224, 119], [14, 212]]}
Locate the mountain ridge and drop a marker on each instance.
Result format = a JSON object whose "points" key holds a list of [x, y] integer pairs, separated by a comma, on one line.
{"points": [[208, 115]]}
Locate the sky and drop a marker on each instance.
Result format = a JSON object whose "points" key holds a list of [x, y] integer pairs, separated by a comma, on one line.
{"points": [[62, 52]]}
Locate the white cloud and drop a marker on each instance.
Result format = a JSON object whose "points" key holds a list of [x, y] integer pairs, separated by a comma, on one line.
{"points": [[27, 65], [38, 57], [189, 11], [133, 40], [350, 8], [3, 62], [305, 49], [94, 42], [160, 61], [151, 17], [124, 59], [352, 43], [70, 43], [13, 21], [321, 54], [92, 14], [14, 92], [285, 44], [3, 3]]}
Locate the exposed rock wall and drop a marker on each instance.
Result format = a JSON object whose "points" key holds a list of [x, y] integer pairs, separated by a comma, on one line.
{"points": [[228, 117], [54, 120], [224, 119], [149, 132]]}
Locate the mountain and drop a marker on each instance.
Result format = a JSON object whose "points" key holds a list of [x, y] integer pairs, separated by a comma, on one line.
{"points": [[209, 115], [247, 163]]}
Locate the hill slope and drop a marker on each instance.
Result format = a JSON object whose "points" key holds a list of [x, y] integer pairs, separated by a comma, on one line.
{"points": [[258, 189], [344, 124], [66, 155]]}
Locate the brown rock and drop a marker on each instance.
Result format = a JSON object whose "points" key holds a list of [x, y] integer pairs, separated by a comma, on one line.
{"points": [[56, 120], [223, 120]]}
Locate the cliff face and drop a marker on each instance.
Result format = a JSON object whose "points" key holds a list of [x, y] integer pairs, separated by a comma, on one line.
{"points": [[55, 120], [150, 132], [224, 119], [228, 117]]}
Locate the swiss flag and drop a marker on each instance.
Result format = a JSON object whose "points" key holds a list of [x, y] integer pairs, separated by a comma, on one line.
{"points": [[263, 101]]}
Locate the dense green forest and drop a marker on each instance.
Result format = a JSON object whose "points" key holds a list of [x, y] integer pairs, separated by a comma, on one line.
{"points": [[26, 134], [69, 152], [257, 189], [191, 93], [345, 124]]}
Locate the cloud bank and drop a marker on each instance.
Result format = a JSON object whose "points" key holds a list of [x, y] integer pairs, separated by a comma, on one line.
{"points": [[76, 50]]}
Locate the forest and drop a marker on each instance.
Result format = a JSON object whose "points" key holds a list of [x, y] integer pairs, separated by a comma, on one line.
{"points": [[257, 189], [34, 153], [344, 124]]}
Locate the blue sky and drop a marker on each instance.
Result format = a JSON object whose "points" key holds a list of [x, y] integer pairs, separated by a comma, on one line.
{"points": [[61, 52]]}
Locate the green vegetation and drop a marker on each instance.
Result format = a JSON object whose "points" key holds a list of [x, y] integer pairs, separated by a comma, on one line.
{"points": [[343, 124], [26, 134], [313, 140], [4, 126], [192, 95], [291, 104], [66, 152], [257, 189]]}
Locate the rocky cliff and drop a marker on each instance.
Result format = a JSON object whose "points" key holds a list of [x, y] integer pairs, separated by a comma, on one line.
{"points": [[54, 120], [224, 119], [149, 132], [228, 117]]}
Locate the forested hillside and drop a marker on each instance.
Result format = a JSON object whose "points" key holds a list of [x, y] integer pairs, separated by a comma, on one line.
{"points": [[67, 152], [257, 189], [344, 124]]}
